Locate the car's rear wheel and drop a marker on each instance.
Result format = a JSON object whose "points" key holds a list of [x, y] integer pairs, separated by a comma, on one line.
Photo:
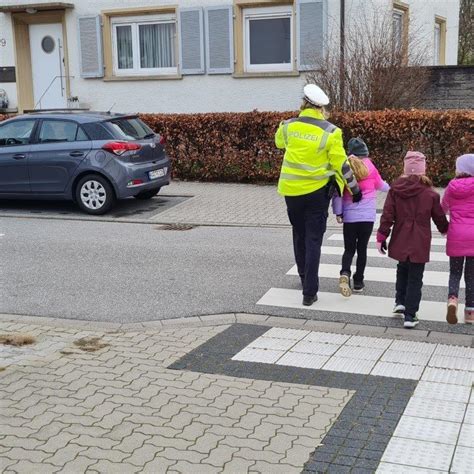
{"points": [[94, 194], [147, 194]]}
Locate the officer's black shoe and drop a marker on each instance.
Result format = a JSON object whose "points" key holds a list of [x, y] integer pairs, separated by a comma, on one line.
{"points": [[309, 300]]}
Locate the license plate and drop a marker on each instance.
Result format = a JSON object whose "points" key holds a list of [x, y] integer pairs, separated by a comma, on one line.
{"points": [[156, 173]]}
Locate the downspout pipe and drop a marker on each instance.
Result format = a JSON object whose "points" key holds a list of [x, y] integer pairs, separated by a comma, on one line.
{"points": [[342, 51]]}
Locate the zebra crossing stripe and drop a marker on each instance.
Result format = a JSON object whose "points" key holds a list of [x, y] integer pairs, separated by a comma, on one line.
{"points": [[357, 304], [340, 238], [434, 256], [381, 274]]}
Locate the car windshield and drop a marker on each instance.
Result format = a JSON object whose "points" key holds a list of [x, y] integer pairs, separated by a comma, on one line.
{"points": [[130, 128]]}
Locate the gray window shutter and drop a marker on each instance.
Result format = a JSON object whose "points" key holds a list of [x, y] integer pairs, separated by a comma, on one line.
{"points": [[219, 40], [191, 30], [311, 26], [90, 46]]}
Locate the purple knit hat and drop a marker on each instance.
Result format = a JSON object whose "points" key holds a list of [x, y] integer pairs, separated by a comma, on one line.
{"points": [[415, 163], [465, 164]]}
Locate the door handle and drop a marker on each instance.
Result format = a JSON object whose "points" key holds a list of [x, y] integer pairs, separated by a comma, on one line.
{"points": [[76, 153], [19, 156]]}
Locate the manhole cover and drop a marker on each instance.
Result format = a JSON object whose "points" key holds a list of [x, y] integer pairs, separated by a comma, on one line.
{"points": [[176, 227]]}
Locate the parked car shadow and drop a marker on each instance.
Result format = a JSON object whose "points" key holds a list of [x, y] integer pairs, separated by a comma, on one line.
{"points": [[126, 208]]}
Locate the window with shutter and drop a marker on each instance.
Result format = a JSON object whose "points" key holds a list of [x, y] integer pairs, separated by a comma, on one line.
{"points": [[191, 26], [311, 22], [90, 46], [219, 40]]}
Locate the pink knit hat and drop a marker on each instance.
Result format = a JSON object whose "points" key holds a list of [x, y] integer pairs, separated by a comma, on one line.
{"points": [[414, 163]]}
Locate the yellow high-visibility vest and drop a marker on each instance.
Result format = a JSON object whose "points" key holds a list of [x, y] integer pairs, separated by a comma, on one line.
{"points": [[314, 152]]}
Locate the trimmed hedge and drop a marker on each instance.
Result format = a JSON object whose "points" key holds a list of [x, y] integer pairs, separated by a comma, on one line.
{"points": [[239, 147]]}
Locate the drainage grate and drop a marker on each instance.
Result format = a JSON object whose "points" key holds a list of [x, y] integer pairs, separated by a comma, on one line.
{"points": [[176, 227]]}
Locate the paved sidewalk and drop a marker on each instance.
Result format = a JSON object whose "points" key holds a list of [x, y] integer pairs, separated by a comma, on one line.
{"points": [[208, 395]]}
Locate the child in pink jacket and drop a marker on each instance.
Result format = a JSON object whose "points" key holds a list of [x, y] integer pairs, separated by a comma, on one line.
{"points": [[458, 202]]}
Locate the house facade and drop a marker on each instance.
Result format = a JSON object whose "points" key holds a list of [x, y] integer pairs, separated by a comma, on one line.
{"points": [[186, 56]]}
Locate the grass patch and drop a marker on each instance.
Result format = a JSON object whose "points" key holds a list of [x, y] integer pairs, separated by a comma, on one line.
{"points": [[90, 344], [17, 340]]}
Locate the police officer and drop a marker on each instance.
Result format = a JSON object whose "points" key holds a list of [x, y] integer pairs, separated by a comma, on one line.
{"points": [[314, 167]]}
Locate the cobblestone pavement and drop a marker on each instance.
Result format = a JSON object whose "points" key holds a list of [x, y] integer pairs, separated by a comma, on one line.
{"points": [[120, 409], [208, 395]]}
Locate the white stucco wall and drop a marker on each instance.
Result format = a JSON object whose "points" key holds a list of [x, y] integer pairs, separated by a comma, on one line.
{"points": [[207, 93]]}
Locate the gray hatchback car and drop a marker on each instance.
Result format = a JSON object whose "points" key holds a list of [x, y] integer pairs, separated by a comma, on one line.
{"points": [[92, 158]]}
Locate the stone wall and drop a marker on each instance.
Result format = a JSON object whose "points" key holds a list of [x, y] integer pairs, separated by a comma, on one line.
{"points": [[451, 87]]}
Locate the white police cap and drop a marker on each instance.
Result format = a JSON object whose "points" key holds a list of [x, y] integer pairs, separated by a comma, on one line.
{"points": [[315, 95]]}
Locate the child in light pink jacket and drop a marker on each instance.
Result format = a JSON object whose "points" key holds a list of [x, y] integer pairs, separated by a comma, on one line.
{"points": [[358, 217], [458, 202]]}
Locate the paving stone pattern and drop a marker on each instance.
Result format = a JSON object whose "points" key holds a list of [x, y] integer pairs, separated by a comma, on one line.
{"points": [[121, 409]]}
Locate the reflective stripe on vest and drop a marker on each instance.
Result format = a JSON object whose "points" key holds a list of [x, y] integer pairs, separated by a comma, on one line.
{"points": [[301, 166], [296, 177]]}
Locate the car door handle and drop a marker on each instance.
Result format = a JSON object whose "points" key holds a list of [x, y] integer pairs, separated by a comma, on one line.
{"points": [[19, 156], [76, 153]]}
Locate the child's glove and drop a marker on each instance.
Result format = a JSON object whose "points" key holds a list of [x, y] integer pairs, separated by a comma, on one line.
{"points": [[357, 197], [339, 219], [382, 247]]}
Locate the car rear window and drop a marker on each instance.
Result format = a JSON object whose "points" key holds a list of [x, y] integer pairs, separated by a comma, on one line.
{"points": [[97, 131], [129, 128]]}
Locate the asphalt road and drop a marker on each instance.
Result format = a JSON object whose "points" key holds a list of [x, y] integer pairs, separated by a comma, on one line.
{"points": [[121, 272]]}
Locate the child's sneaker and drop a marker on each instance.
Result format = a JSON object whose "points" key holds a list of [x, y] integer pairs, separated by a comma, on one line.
{"points": [[345, 286], [469, 316], [410, 321], [451, 315], [358, 286], [399, 309]]}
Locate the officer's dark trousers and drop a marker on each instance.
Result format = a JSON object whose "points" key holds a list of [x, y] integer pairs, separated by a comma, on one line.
{"points": [[308, 215]]}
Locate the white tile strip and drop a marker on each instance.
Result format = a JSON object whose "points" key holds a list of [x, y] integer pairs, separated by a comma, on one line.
{"points": [[440, 241], [381, 274], [419, 454], [399, 371], [469, 416], [456, 377], [422, 429], [309, 361], [353, 366], [412, 346], [283, 333], [265, 356], [360, 304], [447, 362], [402, 357], [463, 460], [442, 391], [363, 353], [466, 437], [327, 337], [312, 347], [387, 468], [372, 342], [435, 409], [272, 343], [455, 351]]}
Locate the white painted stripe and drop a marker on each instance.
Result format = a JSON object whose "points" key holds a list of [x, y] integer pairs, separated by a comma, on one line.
{"points": [[377, 223], [357, 304], [340, 238], [434, 256], [382, 274]]}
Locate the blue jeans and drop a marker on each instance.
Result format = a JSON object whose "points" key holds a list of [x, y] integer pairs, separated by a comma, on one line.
{"points": [[308, 216]]}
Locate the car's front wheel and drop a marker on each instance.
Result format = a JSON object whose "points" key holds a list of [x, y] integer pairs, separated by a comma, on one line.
{"points": [[147, 194], [94, 195]]}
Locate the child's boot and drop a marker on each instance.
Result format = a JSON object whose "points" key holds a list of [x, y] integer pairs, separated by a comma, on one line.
{"points": [[469, 315], [452, 314], [410, 321], [358, 286], [345, 285]]}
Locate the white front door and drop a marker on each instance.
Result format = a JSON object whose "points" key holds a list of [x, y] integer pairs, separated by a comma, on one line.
{"points": [[47, 65]]}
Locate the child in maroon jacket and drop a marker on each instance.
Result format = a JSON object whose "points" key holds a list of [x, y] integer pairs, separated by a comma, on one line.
{"points": [[410, 205]]}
